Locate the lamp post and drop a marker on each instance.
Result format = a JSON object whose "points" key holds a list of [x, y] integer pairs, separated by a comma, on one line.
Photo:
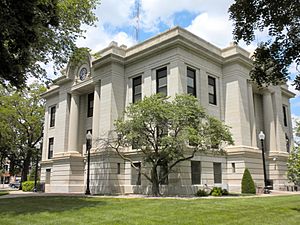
{"points": [[261, 137], [38, 146], [88, 148]]}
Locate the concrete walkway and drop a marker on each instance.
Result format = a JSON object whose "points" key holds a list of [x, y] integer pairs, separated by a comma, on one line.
{"points": [[18, 193]]}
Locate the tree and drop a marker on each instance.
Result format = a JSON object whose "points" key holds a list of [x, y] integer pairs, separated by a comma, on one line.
{"points": [[294, 166], [248, 186], [282, 21], [39, 31], [161, 129], [21, 125]]}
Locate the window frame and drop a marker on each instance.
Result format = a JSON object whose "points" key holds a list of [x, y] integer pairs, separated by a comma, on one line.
{"points": [[50, 147], [90, 105], [215, 165], [161, 76], [285, 119], [52, 116], [214, 86], [196, 175], [194, 93], [134, 94], [137, 174]]}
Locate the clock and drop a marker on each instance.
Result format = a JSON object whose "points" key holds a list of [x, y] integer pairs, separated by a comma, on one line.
{"points": [[83, 73]]}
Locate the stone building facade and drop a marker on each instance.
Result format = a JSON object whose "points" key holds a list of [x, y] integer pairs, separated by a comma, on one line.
{"points": [[89, 96]]}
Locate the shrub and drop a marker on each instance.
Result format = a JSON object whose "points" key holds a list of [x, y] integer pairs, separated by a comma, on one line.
{"points": [[29, 186], [216, 191], [201, 193], [248, 186]]}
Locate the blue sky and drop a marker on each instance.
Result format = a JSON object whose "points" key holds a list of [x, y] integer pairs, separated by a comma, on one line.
{"points": [[206, 18]]}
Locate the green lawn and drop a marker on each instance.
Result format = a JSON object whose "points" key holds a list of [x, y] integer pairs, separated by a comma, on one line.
{"points": [[79, 210]]}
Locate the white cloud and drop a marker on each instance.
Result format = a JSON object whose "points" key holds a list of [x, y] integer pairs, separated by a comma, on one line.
{"points": [[117, 13], [216, 30]]}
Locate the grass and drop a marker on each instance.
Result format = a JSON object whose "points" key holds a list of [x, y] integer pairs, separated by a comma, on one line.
{"points": [[80, 210]]}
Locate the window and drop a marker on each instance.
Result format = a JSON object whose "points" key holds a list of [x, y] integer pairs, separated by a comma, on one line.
{"points": [[217, 173], [48, 175], [284, 108], [52, 116], [90, 105], [118, 168], [163, 170], [233, 167], [191, 81], [212, 95], [136, 174], [161, 81], [50, 148], [136, 89], [196, 172], [287, 140]]}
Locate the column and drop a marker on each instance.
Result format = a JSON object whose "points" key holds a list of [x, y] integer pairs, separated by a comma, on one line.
{"points": [[269, 122], [73, 123], [252, 117], [96, 114]]}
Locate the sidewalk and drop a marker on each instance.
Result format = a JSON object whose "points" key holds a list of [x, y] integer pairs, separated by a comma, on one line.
{"points": [[19, 193]]}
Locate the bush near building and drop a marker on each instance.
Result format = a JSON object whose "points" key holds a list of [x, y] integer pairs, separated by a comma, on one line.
{"points": [[248, 186]]}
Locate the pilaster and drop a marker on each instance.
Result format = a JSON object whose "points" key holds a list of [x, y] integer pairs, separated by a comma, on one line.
{"points": [[73, 123]]}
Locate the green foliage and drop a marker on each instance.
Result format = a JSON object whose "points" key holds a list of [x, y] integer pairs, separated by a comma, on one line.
{"points": [[21, 124], [282, 21], [161, 128], [34, 31], [216, 191], [27, 186], [201, 193], [248, 186], [294, 166]]}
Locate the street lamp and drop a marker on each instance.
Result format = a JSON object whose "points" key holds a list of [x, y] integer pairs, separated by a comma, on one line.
{"points": [[38, 146], [88, 148], [261, 137]]}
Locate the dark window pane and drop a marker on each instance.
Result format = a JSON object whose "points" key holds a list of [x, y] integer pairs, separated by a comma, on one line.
{"points": [[284, 116], [52, 116], [50, 148], [191, 81], [118, 168], [212, 94], [136, 174], [136, 89], [217, 173], [162, 81], [196, 172], [90, 105]]}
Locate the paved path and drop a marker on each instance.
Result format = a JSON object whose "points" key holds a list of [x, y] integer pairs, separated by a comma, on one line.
{"points": [[17, 193]]}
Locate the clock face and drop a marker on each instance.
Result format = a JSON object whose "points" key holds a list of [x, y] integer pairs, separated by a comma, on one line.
{"points": [[82, 74]]}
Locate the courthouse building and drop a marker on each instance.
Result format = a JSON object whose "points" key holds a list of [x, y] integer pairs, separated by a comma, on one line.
{"points": [[90, 95]]}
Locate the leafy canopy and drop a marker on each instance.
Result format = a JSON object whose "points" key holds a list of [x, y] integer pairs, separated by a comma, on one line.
{"points": [[282, 21], [21, 124], [39, 31], [167, 132], [294, 166]]}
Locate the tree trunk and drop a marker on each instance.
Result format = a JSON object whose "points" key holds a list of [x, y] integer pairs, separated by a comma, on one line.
{"points": [[25, 169], [155, 183]]}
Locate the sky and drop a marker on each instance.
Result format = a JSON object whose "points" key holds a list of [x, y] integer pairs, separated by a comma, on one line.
{"points": [[208, 19]]}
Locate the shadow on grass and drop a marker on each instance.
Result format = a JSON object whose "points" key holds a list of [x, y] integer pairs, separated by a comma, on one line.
{"points": [[296, 209], [33, 205]]}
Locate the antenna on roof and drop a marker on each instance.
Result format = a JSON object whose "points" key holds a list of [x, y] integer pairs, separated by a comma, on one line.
{"points": [[137, 19]]}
